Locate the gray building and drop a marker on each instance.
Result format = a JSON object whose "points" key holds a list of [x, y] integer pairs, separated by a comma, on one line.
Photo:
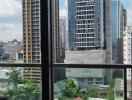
{"points": [[58, 73], [89, 25], [62, 32], [55, 32], [116, 16], [123, 25], [84, 77], [71, 23], [119, 89], [11, 48], [90, 36], [90, 76], [1, 49]]}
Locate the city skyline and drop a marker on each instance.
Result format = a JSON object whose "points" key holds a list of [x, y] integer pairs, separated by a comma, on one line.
{"points": [[127, 5]]}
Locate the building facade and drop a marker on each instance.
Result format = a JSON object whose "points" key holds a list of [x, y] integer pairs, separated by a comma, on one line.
{"points": [[31, 31], [32, 37], [85, 77], [89, 24], [56, 41], [62, 32], [55, 31], [33, 73], [11, 48], [1, 49], [71, 23], [122, 27], [116, 14], [127, 49]]}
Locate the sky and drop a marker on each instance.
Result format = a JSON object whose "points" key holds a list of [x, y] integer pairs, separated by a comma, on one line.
{"points": [[127, 4], [11, 17], [10, 20]]}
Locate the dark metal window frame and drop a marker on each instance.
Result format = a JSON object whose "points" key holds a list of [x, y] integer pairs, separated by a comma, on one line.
{"points": [[48, 65]]}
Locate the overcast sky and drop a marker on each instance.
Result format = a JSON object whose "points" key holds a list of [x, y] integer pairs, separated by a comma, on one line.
{"points": [[10, 20], [11, 17]]}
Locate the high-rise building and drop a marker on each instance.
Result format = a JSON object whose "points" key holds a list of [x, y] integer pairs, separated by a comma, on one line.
{"points": [[122, 27], [1, 49], [58, 73], [127, 49], [31, 37], [31, 31], [55, 31], [116, 14], [89, 24], [71, 23], [62, 32]]}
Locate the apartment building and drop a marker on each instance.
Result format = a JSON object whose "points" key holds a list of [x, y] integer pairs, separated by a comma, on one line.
{"points": [[31, 31], [31, 37], [127, 49]]}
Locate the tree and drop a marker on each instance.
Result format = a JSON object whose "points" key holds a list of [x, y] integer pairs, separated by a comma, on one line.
{"points": [[27, 90], [117, 74], [70, 89], [15, 78], [110, 94], [93, 93]]}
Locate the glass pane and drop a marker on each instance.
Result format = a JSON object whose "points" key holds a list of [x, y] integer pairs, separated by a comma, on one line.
{"points": [[88, 84], [19, 83], [20, 40], [91, 31]]}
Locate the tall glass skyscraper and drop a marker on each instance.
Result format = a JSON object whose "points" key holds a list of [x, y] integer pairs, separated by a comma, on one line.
{"points": [[71, 23], [116, 13], [118, 27]]}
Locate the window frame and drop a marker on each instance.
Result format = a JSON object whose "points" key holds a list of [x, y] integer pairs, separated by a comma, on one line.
{"points": [[48, 64]]}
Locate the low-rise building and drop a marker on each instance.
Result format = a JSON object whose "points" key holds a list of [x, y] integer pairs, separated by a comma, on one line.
{"points": [[129, 89], [11, 48], [119, 89], [19, 57], [85, 76]]}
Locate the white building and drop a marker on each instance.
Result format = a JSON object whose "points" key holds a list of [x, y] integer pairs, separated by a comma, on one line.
{"points": [[127, 49], [19, 57], [119, 89]]}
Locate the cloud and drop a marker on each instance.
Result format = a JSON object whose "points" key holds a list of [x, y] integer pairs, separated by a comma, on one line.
{"points": [[10, 8], [63, 13], [10, 19], [66, 3], [129, 17], [9, 31]]}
